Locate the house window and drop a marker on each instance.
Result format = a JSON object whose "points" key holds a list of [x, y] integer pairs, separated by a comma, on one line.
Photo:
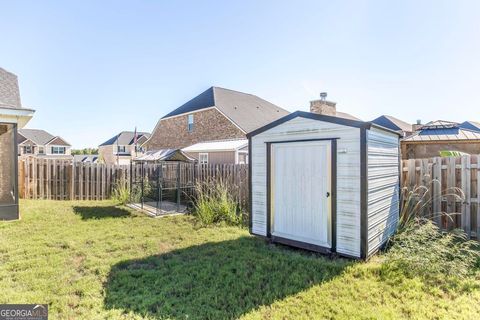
{"points": [[121, 149], [190, 122], [203, 158], [27, 150], [41, 150], [58, 150]]}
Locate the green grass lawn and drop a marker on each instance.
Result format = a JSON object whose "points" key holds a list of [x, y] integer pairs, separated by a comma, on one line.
{"points": [[94, 260]]}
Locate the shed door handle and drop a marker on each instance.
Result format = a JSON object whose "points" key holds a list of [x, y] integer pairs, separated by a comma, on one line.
{"points": [[328, 194]]}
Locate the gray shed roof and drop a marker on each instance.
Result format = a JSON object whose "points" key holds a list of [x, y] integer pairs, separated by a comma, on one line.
{"points": [[247, 111], [40, 137], [393, 123], [125, 138]]}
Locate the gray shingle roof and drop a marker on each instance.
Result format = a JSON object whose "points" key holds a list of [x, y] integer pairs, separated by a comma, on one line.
{"points": [[346, 116], [40, 137], [393, 123], [247, 111], [125, 138]]}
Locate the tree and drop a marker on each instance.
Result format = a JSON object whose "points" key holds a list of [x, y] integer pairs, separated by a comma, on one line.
{"points": [[84, 151]]}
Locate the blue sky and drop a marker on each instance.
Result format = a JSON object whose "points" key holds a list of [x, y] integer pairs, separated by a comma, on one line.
{"points": [[94, 68]]}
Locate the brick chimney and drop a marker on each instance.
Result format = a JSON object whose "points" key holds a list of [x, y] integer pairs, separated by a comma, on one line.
{"points": [[417, 125], [323, 106]]}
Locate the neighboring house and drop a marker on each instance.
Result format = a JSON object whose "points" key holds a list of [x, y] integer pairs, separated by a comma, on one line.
{"points": [[437, 136], [216, 114], [402, 127], [219, 152], [41, 144], [12, 117], [86, 158], [121, 149]]}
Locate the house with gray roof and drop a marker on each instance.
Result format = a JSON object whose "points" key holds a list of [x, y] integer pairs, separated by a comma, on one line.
{"points": [[122, 148], [215, 114], [12, 117], [42, 144], [390, 122]]}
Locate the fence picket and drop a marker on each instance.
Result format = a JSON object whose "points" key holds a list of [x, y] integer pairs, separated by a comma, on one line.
{"points": [[466, 190]]}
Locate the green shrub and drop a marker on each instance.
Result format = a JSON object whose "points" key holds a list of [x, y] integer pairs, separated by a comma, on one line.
{"points": [[121, 192], [214, 203], [421, 249]]}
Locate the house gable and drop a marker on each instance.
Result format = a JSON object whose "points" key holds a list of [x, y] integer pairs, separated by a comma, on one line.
{"points": [[245, 110], [209, 124], [58, 141], [27, 142]]}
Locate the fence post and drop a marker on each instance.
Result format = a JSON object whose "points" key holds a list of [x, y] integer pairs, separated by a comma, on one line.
{"points": [[72, 181], [437, 190], [478, 198], [466, 190], [178, 186], [142, 186]]}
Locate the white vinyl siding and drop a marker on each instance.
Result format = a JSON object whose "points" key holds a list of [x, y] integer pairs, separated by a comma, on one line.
{"points": [[383, 186], [348, 175]]}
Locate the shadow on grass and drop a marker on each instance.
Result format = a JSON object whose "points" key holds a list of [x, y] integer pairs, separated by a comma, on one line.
{"points": [[101, 212], [221, 280]]}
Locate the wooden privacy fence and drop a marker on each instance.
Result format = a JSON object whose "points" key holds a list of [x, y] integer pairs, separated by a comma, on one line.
{"points": [[65, 180], [442, 176]]}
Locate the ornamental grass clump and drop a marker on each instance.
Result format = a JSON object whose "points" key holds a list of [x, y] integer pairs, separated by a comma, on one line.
{"points": [[421, 249], [214, 203], [121, 192]]}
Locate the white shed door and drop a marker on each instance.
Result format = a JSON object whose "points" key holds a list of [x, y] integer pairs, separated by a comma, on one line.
{"points": [[300, 182]]}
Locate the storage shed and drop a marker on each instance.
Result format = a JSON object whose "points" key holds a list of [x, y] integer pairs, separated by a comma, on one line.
{"points": [[324, 183]]}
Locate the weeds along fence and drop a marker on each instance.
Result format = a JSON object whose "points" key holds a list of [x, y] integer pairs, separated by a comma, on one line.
{"points": [[66, 180], [452, 186]]}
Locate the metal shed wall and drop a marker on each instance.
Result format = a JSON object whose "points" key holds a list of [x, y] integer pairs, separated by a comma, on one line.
{"points": [[383, 187], [348, 176]]}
